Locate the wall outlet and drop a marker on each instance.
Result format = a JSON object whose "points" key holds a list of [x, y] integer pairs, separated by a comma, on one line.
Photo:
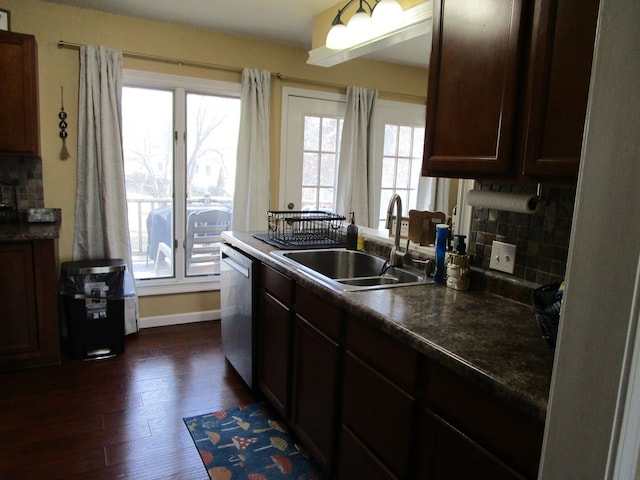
{"points": [[404, 228], [503, 257]]}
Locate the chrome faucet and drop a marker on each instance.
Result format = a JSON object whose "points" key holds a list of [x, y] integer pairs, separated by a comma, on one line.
{"points": [[395, 259]]}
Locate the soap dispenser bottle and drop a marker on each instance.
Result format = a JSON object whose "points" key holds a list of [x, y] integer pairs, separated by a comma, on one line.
{"points": [[352, 234], [458, 266]]}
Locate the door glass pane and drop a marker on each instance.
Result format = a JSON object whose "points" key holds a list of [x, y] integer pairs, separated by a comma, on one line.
{"points": [[329, 134], [320, 164], [147, 117], [325, 199], [310, 169], [309, 198], [212, 141], [328, 169], [311, 133]]}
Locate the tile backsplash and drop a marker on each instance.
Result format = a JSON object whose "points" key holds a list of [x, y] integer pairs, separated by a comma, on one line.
{"points": [[542, 239], [26, 174]]}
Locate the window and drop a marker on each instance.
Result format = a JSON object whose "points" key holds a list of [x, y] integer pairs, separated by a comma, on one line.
{"points": [[312, 128], [180, 138], [401, 167]]}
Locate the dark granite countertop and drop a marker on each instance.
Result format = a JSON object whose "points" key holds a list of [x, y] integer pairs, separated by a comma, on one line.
{"points": [[493, 341], [26, 232]]}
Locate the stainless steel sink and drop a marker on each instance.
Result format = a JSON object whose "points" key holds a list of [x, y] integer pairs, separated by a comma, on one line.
{"points": [[343, 269]]}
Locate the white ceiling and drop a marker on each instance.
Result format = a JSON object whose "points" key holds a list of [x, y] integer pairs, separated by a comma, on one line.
{"points": [[284, 21]]}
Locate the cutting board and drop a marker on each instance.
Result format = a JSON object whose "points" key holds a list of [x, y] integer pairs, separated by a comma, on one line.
{"points": [[422, 226]]}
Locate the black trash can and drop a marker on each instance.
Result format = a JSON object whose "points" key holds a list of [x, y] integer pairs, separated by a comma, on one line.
{"points": [[93, 295]]}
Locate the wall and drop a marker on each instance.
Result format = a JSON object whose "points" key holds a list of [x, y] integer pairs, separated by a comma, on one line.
{"points": [[51, 23], [542, 239]]}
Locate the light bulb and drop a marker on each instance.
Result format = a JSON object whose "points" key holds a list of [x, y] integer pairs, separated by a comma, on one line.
{"points": [[387, 14], [359, 27], [338, 37]]}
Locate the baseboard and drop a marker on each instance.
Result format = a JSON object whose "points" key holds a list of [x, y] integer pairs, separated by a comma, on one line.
{"points": [[178, 319]]}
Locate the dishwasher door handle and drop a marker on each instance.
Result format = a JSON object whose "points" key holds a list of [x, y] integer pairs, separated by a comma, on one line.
{"points": [[236, 266]]}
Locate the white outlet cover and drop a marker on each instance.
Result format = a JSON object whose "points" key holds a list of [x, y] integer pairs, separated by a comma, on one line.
{"points": [[503, 257], [404, 228]]}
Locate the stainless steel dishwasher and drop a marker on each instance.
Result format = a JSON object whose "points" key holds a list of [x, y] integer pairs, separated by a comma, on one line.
{"points": [[238, 305]]}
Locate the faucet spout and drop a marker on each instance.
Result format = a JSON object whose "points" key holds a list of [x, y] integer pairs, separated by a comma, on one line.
{"points": [[395, 203]]}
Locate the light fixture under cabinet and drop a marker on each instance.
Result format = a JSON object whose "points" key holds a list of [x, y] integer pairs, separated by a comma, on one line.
{"points": [[368, 22], [384, 25]]}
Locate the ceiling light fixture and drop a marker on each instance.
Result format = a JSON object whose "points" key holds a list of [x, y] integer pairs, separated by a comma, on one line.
{"points": [[369, 21]]}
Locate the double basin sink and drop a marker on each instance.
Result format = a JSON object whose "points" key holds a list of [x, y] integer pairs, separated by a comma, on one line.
{"points": [[348, 270]]}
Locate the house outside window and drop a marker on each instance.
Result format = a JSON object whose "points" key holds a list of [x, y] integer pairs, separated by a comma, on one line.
{"points": [[173, 128]]}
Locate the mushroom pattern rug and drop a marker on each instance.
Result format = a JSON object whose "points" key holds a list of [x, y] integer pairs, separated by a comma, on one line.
{"points": [[249, 443]]}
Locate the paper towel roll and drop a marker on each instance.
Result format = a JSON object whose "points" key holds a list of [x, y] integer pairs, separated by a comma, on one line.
{"points": [[510, 202]]}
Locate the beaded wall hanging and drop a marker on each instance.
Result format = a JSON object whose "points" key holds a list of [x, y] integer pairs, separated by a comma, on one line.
{"points": [[64, 153]]}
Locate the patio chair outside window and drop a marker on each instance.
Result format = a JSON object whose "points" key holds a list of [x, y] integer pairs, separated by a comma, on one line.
{"points": [[203, 240]]}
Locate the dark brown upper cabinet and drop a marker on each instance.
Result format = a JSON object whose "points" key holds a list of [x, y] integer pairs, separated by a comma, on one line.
{"points": [[508, 87], [19, 125]]}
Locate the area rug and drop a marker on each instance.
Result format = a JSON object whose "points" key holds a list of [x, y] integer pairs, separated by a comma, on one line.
{"points": [[249, 443]]}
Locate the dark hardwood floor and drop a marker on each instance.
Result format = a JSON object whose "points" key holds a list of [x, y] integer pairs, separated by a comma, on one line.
{"points": [[119, 417]]}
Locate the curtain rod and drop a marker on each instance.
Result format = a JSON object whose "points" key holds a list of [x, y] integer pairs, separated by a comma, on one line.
{"points": [[158, 58], [225, 68]]}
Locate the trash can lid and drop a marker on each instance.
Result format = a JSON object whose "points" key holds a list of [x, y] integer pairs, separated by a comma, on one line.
{"points": [[84, 267]]}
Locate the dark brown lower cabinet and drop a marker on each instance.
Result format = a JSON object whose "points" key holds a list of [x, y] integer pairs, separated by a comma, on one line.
{"points": [[315, 389], [510, 435], [379, 414], [29, 325], [274, 331], [445, 453], [316, 375], [367, 405], [357, 461], [299, 361]]}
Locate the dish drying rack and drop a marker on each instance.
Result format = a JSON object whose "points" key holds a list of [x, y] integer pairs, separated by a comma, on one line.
{"points": [[304, 228]]}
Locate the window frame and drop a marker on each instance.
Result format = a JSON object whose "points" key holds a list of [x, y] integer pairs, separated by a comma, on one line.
{"points": [[179, 282]]}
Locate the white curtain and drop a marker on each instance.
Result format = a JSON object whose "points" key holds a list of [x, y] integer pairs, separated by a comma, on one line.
{"points": [[251, 196], [357, 190], [101, 226], [433, 194]]}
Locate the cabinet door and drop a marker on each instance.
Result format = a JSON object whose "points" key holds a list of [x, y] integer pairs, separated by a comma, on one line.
{"points": [[473, 87], [558, 86], [357, 461], [19, 126], [444, 453], [29, 324], [315, 389], [378, 413], [507, 433], [19, 320], [274, 340]]}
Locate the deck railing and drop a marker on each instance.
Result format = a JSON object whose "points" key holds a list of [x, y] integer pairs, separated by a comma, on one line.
{"points": [[139, 210]]}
